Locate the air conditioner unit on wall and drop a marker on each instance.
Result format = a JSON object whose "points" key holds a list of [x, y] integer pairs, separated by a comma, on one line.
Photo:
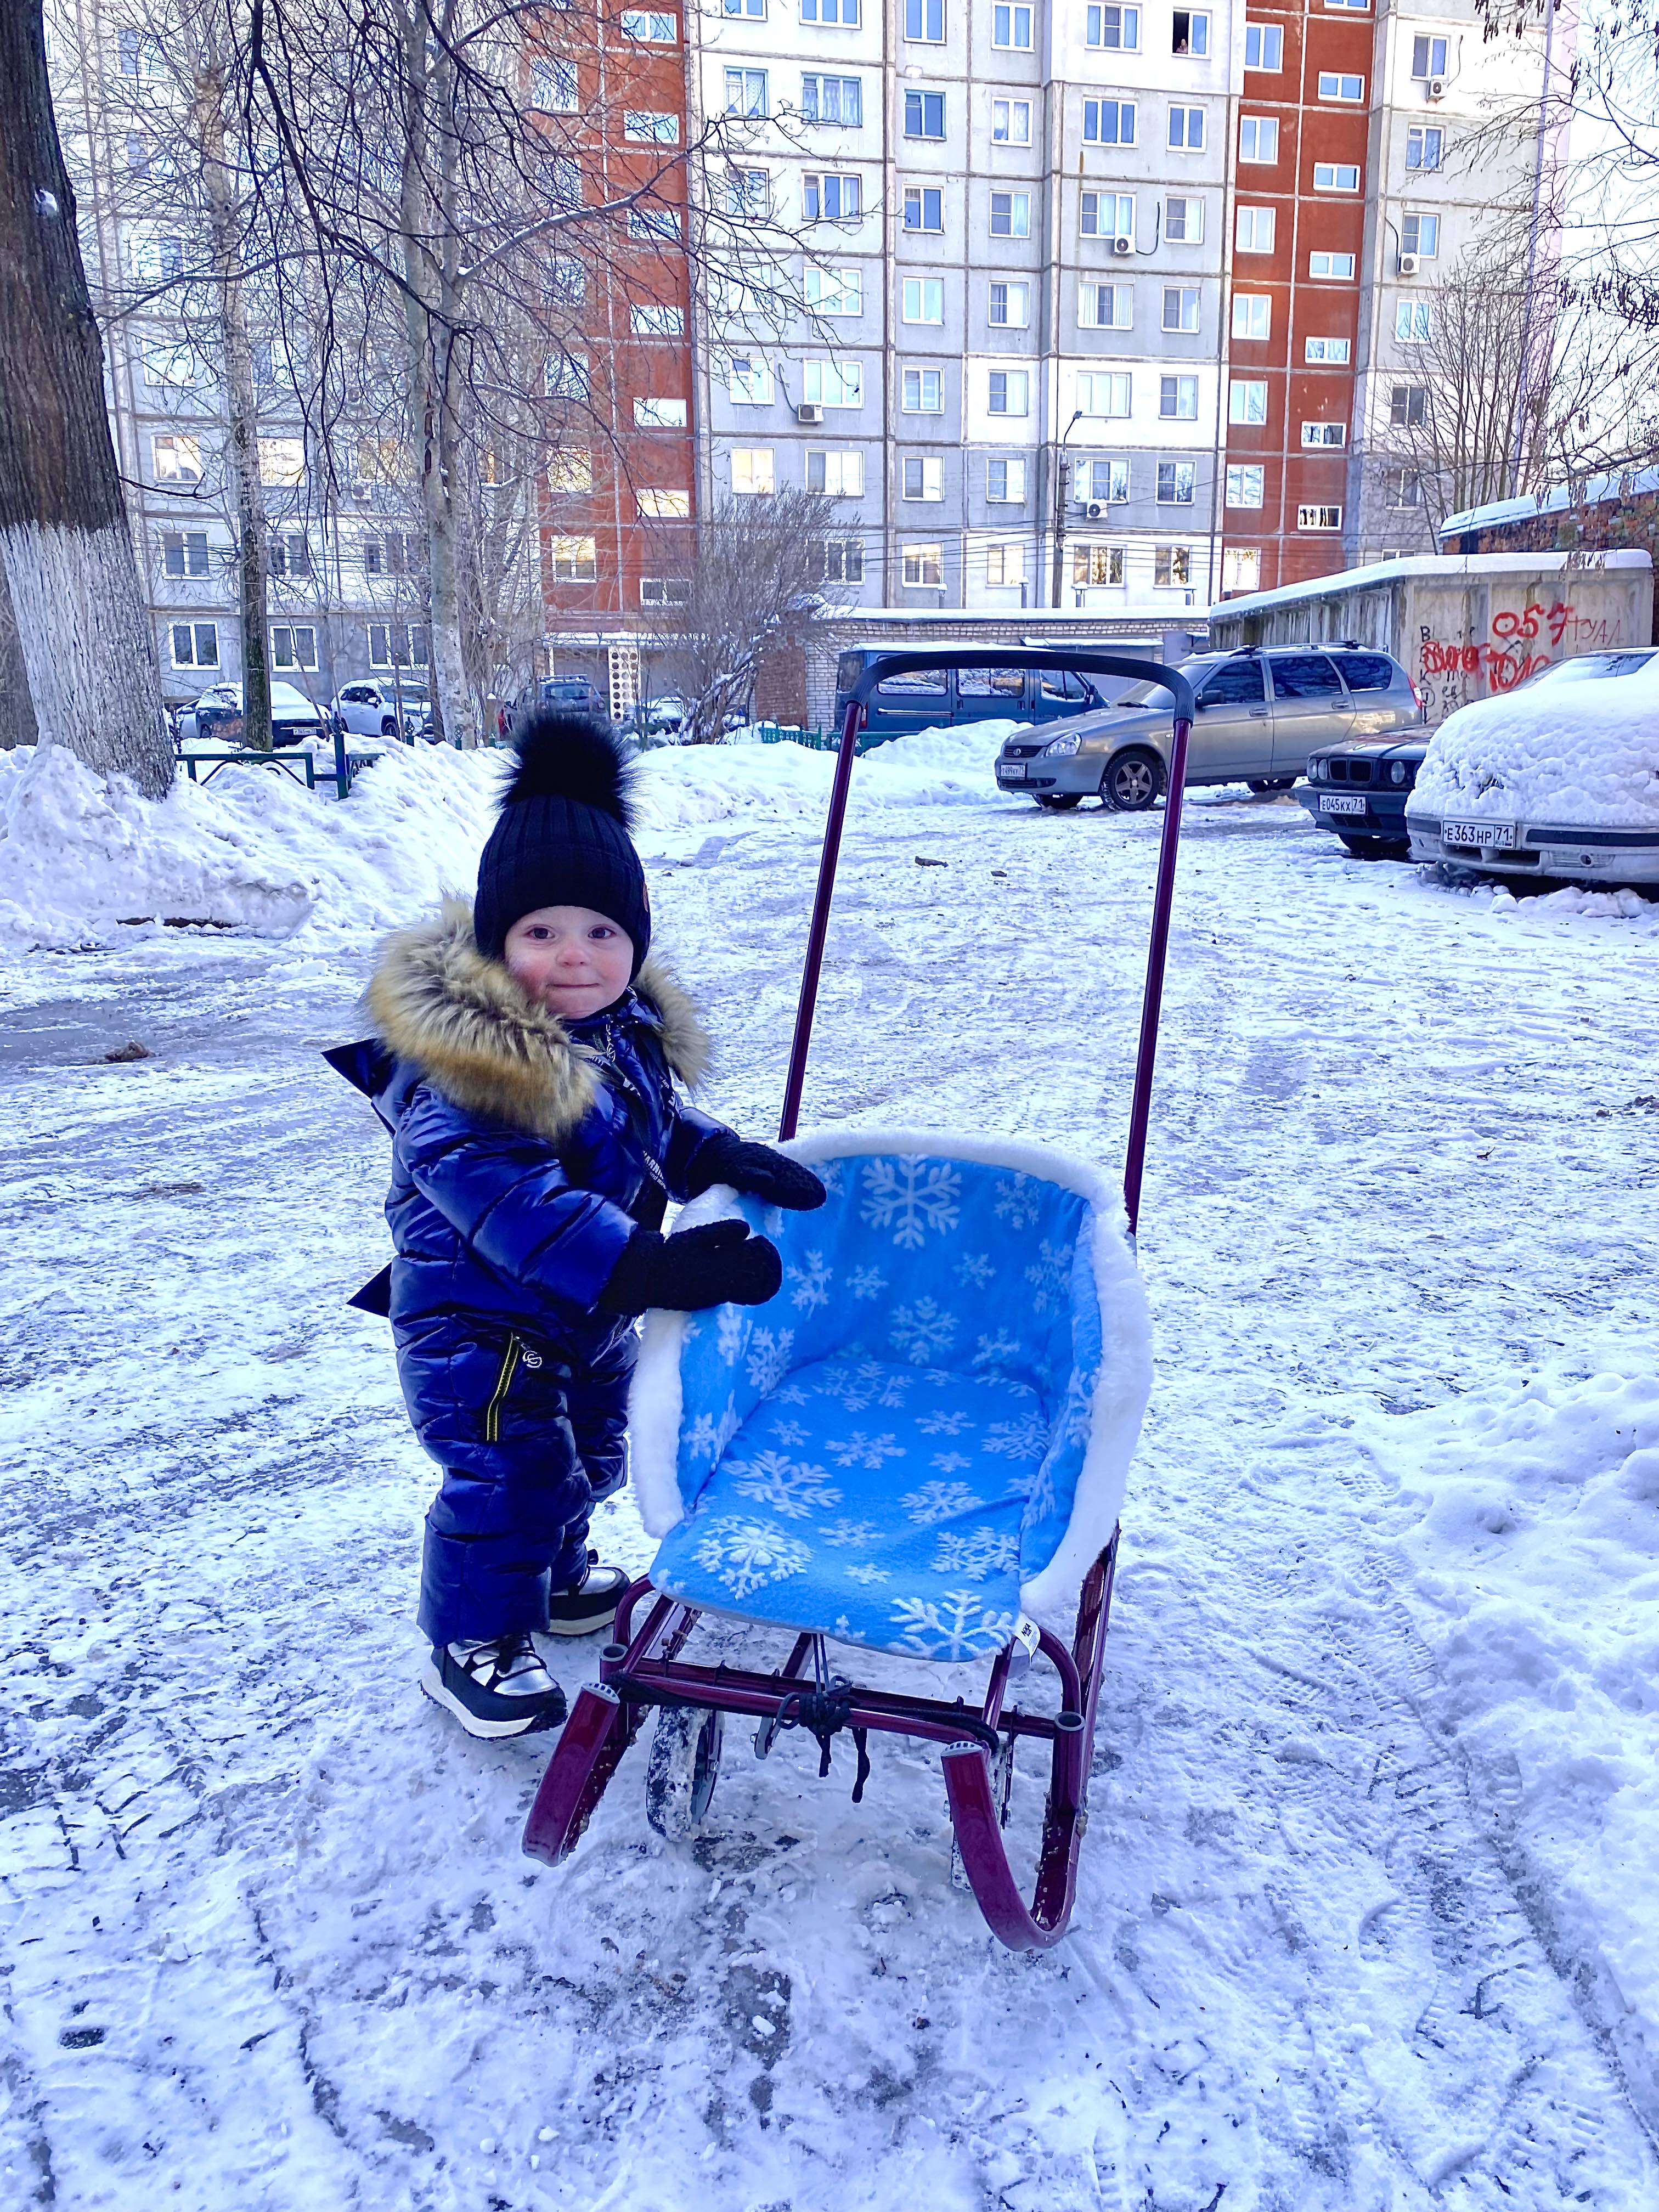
{"points": [[809, 411], [1123, 246], [1437, 88], [1408, 264], [1096, 509]]}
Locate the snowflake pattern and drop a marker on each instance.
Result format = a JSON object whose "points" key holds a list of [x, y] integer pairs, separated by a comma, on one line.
{"points": [[859, 1450], [950, 1424], [1018, 1201], [865, 1282], [868, 1576], [1024, 1438], [707, 1437], [973, 1553], [975, 1269], [809, 1284], [789, 1432], [735, 1329], [744, 1554], [768, 1359], [912, 1196], [788, 1487], [851, 1535], [956, 1626], [940, 1501], [949, 1462], [1049, 1276], [995, 1351], [922, 1330]]}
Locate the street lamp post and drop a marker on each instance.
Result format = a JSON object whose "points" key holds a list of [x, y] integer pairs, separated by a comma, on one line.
{"points": [[1062, 473]]}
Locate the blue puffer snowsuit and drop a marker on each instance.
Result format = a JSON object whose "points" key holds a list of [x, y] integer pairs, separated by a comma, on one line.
{"points": [[526, 1151]]}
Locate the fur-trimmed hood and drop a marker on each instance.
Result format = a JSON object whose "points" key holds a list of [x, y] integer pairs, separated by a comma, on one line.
{"points": [[475, 1033]]}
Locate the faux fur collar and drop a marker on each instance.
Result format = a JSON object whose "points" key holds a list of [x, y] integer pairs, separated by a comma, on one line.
{"points": [[478, 1037]]}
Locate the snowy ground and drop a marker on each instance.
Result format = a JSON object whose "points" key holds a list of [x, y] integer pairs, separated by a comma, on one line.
{"points": [[1365, 1916]]}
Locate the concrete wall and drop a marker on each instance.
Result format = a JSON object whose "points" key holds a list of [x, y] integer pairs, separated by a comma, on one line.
{"points": [[1465, 627]]}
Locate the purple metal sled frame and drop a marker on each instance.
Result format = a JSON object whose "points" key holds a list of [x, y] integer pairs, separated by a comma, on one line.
{"points": [[642, 1667]]}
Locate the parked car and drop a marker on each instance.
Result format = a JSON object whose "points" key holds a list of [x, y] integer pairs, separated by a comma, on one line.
{"points": [[1589, 666], [1359, 792], [215, 717], [579, 691], [933, 697], [369, 708], [1261, 713]]}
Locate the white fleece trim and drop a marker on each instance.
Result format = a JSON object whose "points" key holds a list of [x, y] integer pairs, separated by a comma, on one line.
{"points": [[656, 1400]]}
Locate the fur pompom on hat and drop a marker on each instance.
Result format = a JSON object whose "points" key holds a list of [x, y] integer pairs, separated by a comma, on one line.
{"points": [[562, 835]]}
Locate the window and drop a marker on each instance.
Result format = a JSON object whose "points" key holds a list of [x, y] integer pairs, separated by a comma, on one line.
{"points": [[1010, 26], [1187, 129], [570, 469], [289, 556], [1118, 27], [1336, 176], [648, 126], [178, 459], [1360, 6], [1254, 233], [833, 383], [1423, 146], [1005, 483], [170, 363], [1177, 398], [1107, 392], [1008, 391], [1421, 234], [1333, 85], [564, 282], [294, 645], [1403, 488], [665, 506], [647, 28], [1315, 518], [1324, 434], [837, 475], [1368, 672], [922, 299], [405, 645], [924, 20], [561, 179], [1108, 122], [553, 87], [1428, 57], [923, 477], [1189, 33], [382, 461], [834, 291], [1241, 568], [1409, 406], [924, 566], [1176, 482], [195, 645], [745, 92], [924, 207], [1011, 215], [1011, 122], [752, 472], [755, 9], [1172, 566], [1411, 322], [1107, 482], [832, 100], [924, 114], [1247, 400], [1264, 47], [1245, 486], [1004, 566], [1253, 313], [568, 376], [1181, 308], [654, 223], [1258, 137], [184, 552], [1330, 264], [1326, 351], [921, 392], [1107, 215], [659, 414], [665, 592], [749, 193], [1183, 220], [139, 54], [826, 198], [388, 556], [1097, 564], [575, 560], [838, 561], [653, 320], [1009, 304], [1107, 307], [159, 256], [749, 380], [844, 12]]}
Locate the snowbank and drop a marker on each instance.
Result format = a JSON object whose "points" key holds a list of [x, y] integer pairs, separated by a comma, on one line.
{"points": [[253, 850], [1533, 1523], [1579, 753]]}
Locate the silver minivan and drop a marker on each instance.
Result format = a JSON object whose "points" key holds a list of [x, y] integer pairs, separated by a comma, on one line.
{"points": [[1260, 715]]}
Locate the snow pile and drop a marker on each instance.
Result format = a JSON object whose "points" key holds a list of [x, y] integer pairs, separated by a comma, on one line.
{"points": [[686, 786], [1533, 1526], [1586, 754]]}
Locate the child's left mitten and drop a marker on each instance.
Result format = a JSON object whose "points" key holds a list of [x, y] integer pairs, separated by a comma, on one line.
{"points": [[759, 1171]]}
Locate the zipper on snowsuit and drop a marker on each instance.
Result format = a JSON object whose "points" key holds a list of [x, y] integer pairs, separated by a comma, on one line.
{"points": [[503, 1384]]}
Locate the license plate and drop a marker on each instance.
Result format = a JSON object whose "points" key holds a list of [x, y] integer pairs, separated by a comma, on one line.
{"points": [[1011, 771], [1484, 836], [1330, 804]]}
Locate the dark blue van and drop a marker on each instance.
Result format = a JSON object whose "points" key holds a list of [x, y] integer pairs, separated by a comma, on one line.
{"points": [[931, 697]]}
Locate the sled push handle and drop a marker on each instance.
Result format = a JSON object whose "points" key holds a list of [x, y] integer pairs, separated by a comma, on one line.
{"points": [[1084, 662]]}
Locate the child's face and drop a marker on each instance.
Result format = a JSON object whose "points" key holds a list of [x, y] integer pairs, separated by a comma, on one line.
{"points": [[574, 961]]}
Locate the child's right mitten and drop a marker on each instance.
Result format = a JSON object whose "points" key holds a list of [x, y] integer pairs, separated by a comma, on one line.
{"points": [[717, 1265]]}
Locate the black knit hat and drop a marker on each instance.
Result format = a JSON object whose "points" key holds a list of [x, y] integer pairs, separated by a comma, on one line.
{"points": [[561, 838]]}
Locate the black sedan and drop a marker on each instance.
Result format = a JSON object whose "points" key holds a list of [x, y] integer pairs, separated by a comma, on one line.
{"points": [[1359, 791]]}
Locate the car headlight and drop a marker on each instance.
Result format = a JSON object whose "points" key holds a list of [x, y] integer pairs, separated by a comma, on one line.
{"points": [[1060, 748], [1398, 772], [1316, 771]]}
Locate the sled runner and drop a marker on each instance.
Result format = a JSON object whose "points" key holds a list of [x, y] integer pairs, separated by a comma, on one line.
{"points": [[919, 1447]]}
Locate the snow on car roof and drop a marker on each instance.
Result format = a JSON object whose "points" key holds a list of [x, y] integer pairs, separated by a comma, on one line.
{"points": [[1586, 754]]}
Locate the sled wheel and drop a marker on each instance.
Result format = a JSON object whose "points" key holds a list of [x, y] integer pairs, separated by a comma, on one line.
{"points": [[681, 1772]]}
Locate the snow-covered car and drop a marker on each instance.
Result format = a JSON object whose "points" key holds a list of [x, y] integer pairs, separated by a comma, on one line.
{"points": [[215, 717], [1587, 667], [1554, 780], [370, 709]]}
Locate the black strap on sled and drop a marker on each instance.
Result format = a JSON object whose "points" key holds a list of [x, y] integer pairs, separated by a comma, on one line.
{"points": [[824, 1713]]}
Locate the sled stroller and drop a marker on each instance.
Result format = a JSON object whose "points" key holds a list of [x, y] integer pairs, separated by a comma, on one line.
{"points": [[919, 1447]]}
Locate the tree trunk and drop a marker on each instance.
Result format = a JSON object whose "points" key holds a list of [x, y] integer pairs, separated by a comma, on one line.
{"points": [[83, 629]]}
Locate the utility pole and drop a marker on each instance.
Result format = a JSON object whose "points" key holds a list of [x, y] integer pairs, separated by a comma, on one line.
{"points": [[1062, 478]]}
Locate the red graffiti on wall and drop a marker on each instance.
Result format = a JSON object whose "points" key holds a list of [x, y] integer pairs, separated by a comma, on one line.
{"points": [[1506, 661]]}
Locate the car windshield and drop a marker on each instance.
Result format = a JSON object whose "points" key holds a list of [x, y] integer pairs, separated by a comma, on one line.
{"points": [[1585, 664], [1159, 695]]}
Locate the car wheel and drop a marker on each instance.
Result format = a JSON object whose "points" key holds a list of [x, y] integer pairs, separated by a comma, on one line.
{"points": [[388, 727], [1132, 781], [1262, 784], [1058, 802]]}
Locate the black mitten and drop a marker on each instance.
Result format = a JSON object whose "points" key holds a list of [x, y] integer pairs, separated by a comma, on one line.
{"points": [[712, 1266], [760, 1171]]}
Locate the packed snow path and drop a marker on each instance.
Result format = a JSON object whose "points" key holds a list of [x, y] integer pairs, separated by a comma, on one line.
{"points": [[270, 1941]]}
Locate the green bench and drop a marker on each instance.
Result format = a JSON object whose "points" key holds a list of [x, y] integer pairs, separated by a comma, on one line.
{"points": [[300, 763]]}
